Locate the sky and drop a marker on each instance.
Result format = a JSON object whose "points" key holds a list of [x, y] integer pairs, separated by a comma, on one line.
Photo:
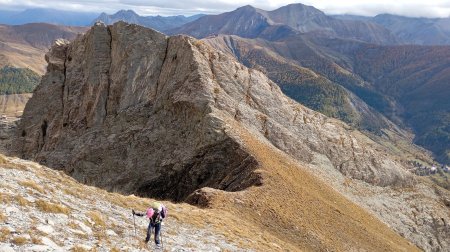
{"points": [[413, 8]]}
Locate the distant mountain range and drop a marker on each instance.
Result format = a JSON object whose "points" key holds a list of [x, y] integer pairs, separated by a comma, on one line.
{"points": [[418, 31], [156, 22], [71, 18], [353, 70], [250, 22], [50, 16], [294, 18]]}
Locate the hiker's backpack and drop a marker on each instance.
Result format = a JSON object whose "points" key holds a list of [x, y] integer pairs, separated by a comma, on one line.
{"points": [[156, 212]]}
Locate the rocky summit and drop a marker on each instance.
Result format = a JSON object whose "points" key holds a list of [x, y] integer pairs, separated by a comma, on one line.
{"points": [[131, 110]]}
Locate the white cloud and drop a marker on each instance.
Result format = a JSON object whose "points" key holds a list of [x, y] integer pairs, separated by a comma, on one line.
{"points": [[430, 8]]}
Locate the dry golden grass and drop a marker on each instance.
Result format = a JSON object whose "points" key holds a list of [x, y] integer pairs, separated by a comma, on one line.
{"points": [[5, 163], [4, 233], [97, 218], [48, 207], [38, 232], [303, 214], [5, 198], [33, 185], [3, 160], [19, 240], [36, 240], [2, 217], [77, 248], [74, 191], [21, 201], [100, 235], [114, 249], [82, 236], [73, 225], [117, 229], [129, 202], [142, 245], [21, 167]]}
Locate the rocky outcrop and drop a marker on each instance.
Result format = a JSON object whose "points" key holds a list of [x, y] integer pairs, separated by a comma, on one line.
{"points": [[117, 116], [129, 109], [125, 106]]}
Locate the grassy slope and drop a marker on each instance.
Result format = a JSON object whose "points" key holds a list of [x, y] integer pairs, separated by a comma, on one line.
{"points": [[22, 56], [24, 46], [302, 211]]}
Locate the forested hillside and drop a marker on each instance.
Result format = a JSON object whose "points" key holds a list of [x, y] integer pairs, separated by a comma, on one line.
{"points": [[17, 80]]}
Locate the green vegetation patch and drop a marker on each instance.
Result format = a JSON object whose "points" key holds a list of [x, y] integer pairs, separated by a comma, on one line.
{"points": [[433, 132], [17, 80]]}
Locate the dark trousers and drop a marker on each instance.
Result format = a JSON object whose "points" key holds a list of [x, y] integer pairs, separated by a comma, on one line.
{"points": [[157, 227]]}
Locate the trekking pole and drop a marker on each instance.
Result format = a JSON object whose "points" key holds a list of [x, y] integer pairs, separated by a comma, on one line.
{"points": [[160, 231], [134, 224]]}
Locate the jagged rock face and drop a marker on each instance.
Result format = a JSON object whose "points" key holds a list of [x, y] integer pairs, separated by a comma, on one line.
{"points": [[117, 114], [127, 107]]}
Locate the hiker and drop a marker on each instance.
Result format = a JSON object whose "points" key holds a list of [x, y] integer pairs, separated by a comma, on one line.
{"points": [[155, 213]]}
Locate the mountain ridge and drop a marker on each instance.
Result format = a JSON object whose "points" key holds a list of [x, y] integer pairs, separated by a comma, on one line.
{"points": [[159, 23], [250, 22], [194, 113]]}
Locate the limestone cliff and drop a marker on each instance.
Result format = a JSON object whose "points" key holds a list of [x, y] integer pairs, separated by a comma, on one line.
{"points": [[128, 109]]}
